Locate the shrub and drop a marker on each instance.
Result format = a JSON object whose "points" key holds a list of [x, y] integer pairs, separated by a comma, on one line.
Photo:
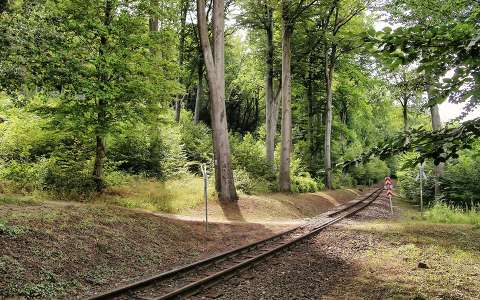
{"points": [[20, 177], [371, 172], [410, 187], [22, 137], [196, 140], [68, 171], [249, 154], [443, 213], [460, 181], [459, 184], [303, 183], [243, 181], [156, 152], [341, 179]]}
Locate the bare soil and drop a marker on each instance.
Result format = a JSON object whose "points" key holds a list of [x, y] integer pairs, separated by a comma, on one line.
{"points": [[275, 207]]}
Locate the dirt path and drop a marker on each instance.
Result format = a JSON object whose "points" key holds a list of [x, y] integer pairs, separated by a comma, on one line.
{"points": [[361, 259], [222, 221]]}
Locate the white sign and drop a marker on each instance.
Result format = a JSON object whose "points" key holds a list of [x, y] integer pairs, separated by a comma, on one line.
{"points": [[421, 174]]}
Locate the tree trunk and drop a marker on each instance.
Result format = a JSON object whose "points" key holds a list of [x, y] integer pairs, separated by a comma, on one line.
{"points": [[215, 66], [99, 162], [405, 119], [286, 148], [310, 112], [178, 108], [101, 104], [198, 99], [270, 99], [329, 66], [181, 52], [153, 21], [328, 127], [3, 6], [437, 125]]}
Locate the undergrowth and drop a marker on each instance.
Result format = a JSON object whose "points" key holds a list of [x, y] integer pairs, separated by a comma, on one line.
{"points": [[447, 214], [9, 230], [172, 196], [18, 200]]}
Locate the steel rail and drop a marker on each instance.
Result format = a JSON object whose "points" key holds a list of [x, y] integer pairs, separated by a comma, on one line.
{"points": [[132, 287], [248, 262]]}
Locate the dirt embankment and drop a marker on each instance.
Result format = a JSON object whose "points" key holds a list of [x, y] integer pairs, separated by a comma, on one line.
{"points": [[49, 251], [274, 208]]}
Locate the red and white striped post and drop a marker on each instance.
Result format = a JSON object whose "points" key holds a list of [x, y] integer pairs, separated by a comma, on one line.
{"points": [[389, 188]]}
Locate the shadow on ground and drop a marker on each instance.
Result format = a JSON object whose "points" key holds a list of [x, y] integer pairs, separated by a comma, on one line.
{"points": [[232, 211]]}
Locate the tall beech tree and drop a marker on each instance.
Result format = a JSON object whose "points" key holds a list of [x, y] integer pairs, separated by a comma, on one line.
{"points": [[271, 96], [407, 90], [184, 7], [338, 13], [259, 16], [291, 11], [215, 65]]}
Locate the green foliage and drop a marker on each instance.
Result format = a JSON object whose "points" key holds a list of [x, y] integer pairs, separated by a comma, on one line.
{"points": [[438, 36], [22, 137], [75, 73], [249, 154], [370, 173], [92, 65], [410, 187], [460, 181], [439, 145], [303, 183], [34, 157], [10, 230], [67, 171], [253, 174], [243, 181], [196, 140], [443, 213], [152, 151], [341, 180]]}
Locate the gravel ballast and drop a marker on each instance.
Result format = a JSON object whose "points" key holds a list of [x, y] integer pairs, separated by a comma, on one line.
{"points": [[316, 269]]}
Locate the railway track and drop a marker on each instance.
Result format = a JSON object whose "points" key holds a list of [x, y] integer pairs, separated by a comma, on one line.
{"points": [[190, 279]]}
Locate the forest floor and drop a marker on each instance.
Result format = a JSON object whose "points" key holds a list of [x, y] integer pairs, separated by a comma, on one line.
{"points": [[49, 250], [372, 255]]}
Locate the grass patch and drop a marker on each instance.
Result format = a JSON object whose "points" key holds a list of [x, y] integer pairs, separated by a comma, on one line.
{"points": [[443, 213], [45, 216], [18, 200], [172, 196], [450, 251], [11, 231]]}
